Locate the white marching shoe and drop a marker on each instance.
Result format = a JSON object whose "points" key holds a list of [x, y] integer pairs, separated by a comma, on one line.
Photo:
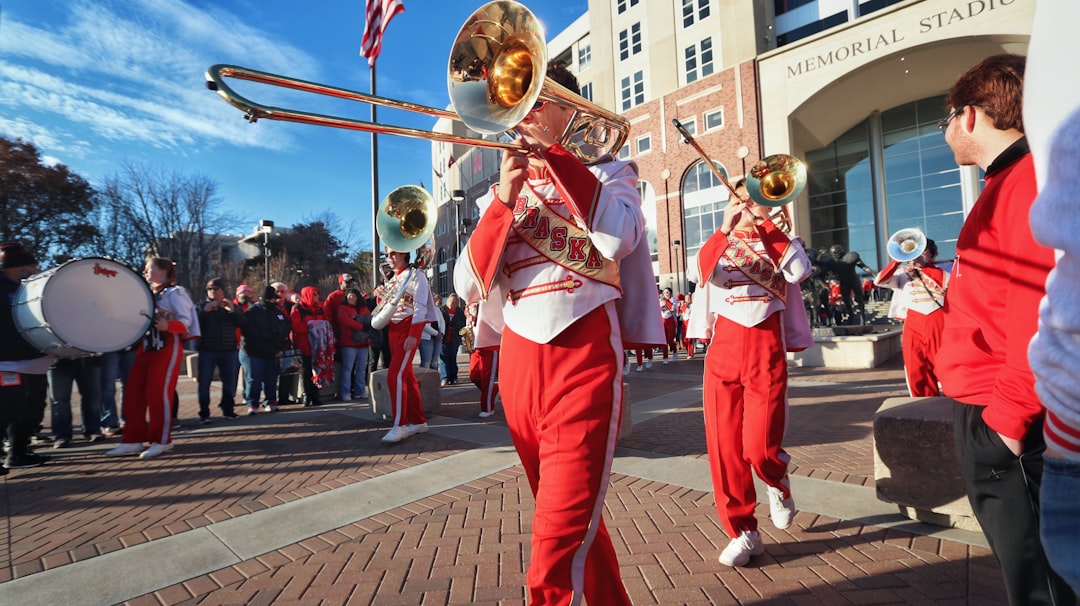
{"points": [[396, 434], [781, 509], [739, 550], [155, 449], [127, 448]]}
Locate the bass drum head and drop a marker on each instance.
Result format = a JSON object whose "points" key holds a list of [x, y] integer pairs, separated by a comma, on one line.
{"points": [[97, 305]]}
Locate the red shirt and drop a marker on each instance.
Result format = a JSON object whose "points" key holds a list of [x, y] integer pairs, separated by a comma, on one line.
{"points": [[991, 307]]}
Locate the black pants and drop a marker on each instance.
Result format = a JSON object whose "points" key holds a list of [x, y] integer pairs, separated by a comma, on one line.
{"points": [[22, 408], [1004, 494], [311, 393]]}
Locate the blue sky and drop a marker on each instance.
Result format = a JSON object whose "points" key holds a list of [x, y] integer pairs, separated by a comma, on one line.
{"points": [[97, 83]]}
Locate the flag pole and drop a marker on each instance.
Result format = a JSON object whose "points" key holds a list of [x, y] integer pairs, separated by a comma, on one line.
{"points": [[376, 275]]}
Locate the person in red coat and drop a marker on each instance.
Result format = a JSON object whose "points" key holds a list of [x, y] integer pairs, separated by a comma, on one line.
{"points": [[354, 324], [991, 315], [307, 315]]}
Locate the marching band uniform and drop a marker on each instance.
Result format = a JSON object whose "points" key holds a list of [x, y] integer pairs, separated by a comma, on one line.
{"points": [[152, 380], [920, 293], [414, 311], [569, 267], [746, 282]]}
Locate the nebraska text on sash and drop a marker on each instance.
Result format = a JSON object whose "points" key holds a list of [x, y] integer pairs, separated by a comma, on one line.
{"points": [[756, 267], [560, 240]]}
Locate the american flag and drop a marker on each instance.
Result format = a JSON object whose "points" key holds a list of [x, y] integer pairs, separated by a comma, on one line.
{"points": [[379, 14]]}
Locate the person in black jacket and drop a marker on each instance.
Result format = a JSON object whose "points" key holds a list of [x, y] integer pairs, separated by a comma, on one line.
{"points": [[218, 320], [24, 386], [265, 334]]}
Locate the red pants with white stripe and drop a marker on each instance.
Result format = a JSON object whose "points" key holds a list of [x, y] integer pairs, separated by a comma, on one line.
{"points": [[484, 373], [745, 393], [405, 403], [149, 392], [563, 412], [920, 342]]}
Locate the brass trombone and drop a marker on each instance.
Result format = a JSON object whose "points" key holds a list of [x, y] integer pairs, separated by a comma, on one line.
{"points": [[772, 181], [495, 77]]}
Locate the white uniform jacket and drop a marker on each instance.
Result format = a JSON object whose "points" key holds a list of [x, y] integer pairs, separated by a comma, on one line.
{"points": [[725, 289], [911, 293], [574, 241], [416, 302]]}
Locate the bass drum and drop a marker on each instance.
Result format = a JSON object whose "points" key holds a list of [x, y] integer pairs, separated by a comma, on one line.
{"points": [[84, 307]]}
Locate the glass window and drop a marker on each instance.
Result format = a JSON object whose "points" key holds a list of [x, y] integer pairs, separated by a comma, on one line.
{"points": [[624, 152], [694, 10], [630, 42], [920, 177], [699, 60], [704, 197], [622, 5], [644, 144], [714, 119], [584, 55], [638, 89], [586, 91]]}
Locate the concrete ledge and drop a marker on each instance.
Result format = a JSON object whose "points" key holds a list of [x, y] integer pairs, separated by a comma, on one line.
{"points": [[430, 391], [915, 463], [854, 351]]}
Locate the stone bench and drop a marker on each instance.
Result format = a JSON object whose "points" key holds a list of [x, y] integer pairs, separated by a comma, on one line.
{"points": [[430, 391], [915, 464], [868, 350]]}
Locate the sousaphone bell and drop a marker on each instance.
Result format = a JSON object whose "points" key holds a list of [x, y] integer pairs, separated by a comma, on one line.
{"points": [[405, 222], [906, 244]]}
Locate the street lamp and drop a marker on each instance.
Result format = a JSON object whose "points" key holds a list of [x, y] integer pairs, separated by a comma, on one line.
{"points": [[678, 274], [458, 196], [266, 227]]}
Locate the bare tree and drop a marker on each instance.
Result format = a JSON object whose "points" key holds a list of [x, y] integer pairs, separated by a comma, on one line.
{"points": [[169, 214]]}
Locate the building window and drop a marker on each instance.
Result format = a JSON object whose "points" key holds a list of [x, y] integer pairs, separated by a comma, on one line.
{"points": [[625, 4], [694, 10], [586, 91], [584, 55], [699, 60], [644, 144], [714, 119], [690, 124], [705, 197], [630, 42], [624, 152], [633, 90], [919, 175]]}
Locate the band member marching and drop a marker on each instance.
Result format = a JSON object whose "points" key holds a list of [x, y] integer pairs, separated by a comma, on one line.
{"points": [[919, 301], [747, 272], [415, 309], [560, 247], [152, 380]]}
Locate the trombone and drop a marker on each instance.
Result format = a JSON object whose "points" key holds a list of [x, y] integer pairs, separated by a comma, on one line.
{"points": [[773, 181], [495, 77]]}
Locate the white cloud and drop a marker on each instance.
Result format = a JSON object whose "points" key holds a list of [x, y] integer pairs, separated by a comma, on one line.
{"points": [[131, 72]]}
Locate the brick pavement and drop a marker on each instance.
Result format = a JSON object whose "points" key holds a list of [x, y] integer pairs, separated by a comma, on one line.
{"points": [[469, 544]]}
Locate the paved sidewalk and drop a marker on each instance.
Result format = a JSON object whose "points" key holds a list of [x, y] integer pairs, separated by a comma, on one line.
{"points": [[307, 506]]}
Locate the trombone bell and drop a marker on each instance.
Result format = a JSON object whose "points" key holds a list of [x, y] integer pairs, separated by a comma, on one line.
{"points": [[776, 180]]}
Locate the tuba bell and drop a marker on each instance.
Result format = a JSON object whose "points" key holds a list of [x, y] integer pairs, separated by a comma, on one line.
{"points": [[405, 222], [906, 244]]}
